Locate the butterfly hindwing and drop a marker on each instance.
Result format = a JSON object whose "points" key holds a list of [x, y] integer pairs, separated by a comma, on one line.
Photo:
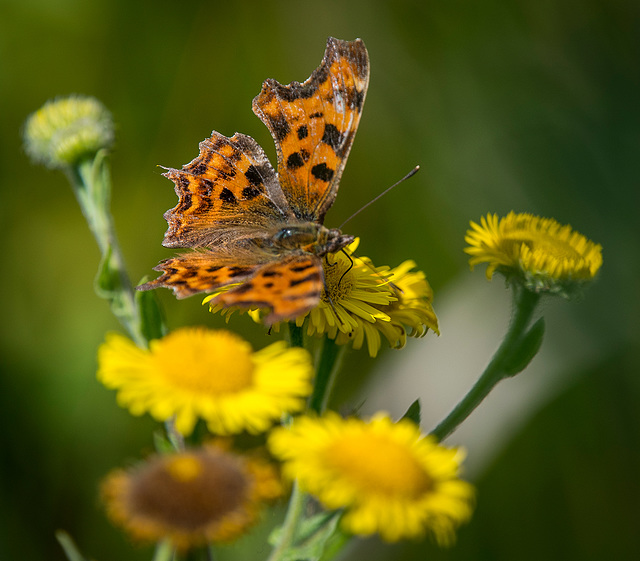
{"points": [[230, 184], [190, 273], [289, 287], [314, 124]]}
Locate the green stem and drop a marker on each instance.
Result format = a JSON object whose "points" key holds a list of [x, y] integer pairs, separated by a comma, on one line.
{"points": [[164, 551], [288, 530], [296, 335], [524, 304], [325, 376], [91, 185], [176, 439], [335, 545]]}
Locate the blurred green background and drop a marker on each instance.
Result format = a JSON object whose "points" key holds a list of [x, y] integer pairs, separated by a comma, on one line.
{"points": [[506, 104]]}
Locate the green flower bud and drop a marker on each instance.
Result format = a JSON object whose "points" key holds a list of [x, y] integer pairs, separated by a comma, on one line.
{"points": [[66, 130]]}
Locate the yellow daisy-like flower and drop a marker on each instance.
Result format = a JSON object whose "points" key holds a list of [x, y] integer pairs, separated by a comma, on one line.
{"points": [[65, 130], [213, 375], [410, 314], [190, 498], [389, 478], [359, 302], [546, 255]]}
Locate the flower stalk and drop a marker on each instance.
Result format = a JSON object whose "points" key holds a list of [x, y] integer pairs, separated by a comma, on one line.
{"points": [[290, 525], [326, 375], [91, 185], [515, 349]]}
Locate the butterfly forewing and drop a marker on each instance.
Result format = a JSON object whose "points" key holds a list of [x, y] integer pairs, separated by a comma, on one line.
{"points": [[231, 183], [314, 124]]}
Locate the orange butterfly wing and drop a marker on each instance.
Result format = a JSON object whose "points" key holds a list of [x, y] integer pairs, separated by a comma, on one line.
{"points": [[195, 272], [230, 186], [314, 124], [290, 287]]}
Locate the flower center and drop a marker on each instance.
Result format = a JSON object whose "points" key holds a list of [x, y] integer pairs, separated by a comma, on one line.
{"points": [[199, 361], [375, 463], [161, 492], [337, 286], [543, 244], [184, 468]]}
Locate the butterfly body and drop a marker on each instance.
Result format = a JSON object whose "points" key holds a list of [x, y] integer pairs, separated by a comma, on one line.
{"points": [[312, 238], [258, 228]]}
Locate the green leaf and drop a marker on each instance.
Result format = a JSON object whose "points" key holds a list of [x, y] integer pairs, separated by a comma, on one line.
{"points": [[152, 324], [108, 285], [70, 548], [108, 278], [304, 529], [313, 524], [162, 444], [528, 347], [313, 536], [414, 413]]}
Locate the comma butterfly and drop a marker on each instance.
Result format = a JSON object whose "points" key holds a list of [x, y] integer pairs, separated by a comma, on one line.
{"points": [[262, 229]]}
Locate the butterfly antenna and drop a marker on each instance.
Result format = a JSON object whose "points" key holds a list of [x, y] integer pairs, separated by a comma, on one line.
{"points": [[385, 279], [410, 174], [350, 265], [326, 288]]}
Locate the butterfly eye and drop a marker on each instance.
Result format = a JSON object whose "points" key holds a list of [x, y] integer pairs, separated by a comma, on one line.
{"points": [[291, 238]]}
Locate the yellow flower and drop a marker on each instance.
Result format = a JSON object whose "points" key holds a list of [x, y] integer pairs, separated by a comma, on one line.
{"points": [[360, 301], [190, 498], [546, 255], [213, 375], [410, 314], [389, 478], [63, 131]]}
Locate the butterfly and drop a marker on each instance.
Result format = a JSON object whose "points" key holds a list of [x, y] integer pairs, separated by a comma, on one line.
{"points": [[259, 229]]}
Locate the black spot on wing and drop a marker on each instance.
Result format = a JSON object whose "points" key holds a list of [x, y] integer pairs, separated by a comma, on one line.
{"points": [[322, 172], [185, 202], [295, 161], [279, 126], [332, 136], [227, 196], [246, 287], [253, 176], [183, 181], [238, 271], [355, 98], [198, 169], [300, 268], [249, 193], [207, 186], [314, 276]]}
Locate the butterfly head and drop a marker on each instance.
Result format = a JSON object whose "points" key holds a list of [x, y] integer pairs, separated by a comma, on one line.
{"points": [[331, 240]]}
